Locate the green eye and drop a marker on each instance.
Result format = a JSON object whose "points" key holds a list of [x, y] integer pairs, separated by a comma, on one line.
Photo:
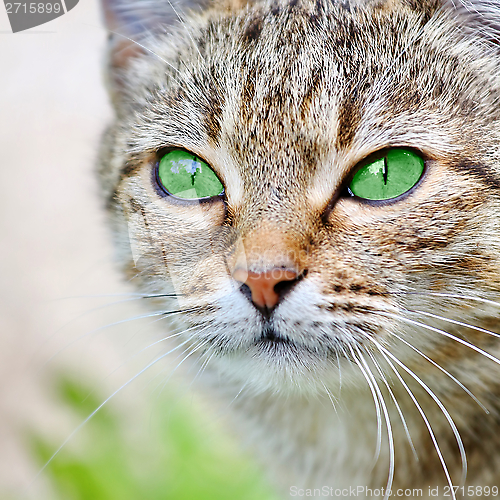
{"points": [[388, 177], [185, 176]]}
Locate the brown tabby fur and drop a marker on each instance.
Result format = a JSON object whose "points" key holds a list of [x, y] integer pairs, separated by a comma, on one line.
{"points": [[283, 99]]}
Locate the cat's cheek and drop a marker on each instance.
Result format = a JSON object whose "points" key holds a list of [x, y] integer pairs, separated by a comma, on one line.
{"points": [[175, 241]]}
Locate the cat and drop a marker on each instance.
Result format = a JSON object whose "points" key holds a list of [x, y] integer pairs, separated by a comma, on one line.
{"points": [[310, 189]]}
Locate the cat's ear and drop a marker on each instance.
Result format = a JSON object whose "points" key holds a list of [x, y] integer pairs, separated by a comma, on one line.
{"points": [[129, 22]]}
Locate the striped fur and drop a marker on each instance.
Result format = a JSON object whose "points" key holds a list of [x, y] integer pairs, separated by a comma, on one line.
{"points": [[396, 318]]}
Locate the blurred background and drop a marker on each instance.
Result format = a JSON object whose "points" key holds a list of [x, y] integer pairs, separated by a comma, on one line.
{"points": [[71, 332]]}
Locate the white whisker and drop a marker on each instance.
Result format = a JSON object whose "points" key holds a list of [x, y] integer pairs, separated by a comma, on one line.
{"points": [[453, 321], [146, 49], [204, 364], [424, 417], [191, 350], [142, 47], [330, 397], [66, 441], [393, 397], [164, 314], [446, 372], [340, 370], [440, 405], [164, 339], [189, 339], [234, 399], [387, 418], [457, 296], [144, 349], [444, 333], [377, 406], [184, 24], [134, 295]]}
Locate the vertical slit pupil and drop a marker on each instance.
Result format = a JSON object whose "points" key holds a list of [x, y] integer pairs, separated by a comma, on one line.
{"points": [[195, 160]]}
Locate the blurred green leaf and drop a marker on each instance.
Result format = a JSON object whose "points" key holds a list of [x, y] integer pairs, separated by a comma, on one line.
{"points": [[179, 462]]}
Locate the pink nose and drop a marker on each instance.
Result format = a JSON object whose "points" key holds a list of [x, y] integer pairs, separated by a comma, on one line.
{"points": [[262, 284]]}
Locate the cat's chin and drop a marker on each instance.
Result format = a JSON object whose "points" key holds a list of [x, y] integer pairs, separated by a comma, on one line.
{"points": [[275, 363], [275, 371]]}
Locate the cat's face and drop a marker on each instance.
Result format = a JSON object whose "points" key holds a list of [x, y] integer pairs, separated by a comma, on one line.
{"points": [[285, 102]]}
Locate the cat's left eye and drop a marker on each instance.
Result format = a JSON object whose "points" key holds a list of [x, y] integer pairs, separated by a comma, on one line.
{"points": [[389, 176], [185, 176]]}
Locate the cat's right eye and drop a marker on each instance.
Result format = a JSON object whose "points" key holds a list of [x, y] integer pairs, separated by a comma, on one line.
{"points": [[185, 176], [389, 176]]}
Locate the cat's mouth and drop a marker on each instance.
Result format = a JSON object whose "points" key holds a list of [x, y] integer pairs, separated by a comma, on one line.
{"points": [[270, 336]]}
